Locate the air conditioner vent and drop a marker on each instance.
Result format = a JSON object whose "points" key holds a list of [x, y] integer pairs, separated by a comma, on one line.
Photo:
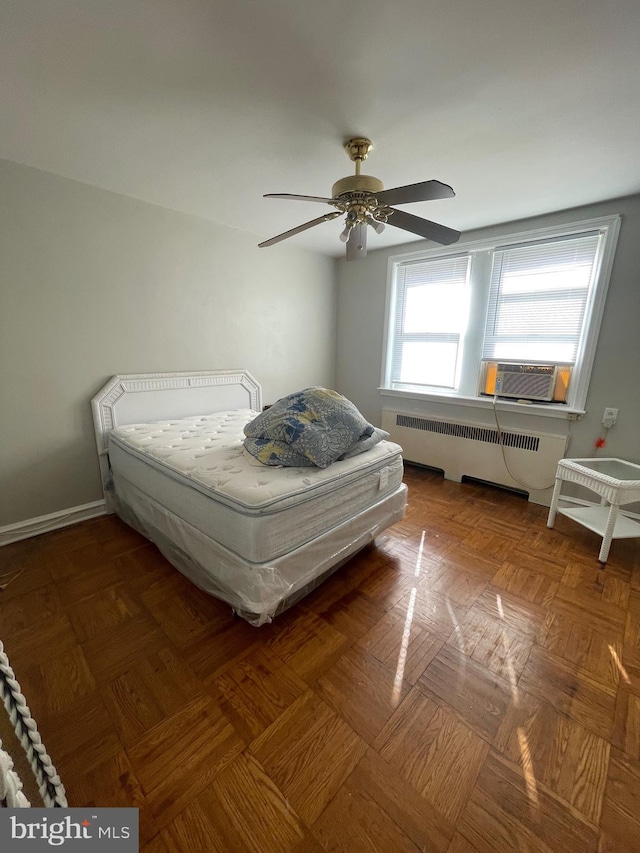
{"points": [[468, 431]]}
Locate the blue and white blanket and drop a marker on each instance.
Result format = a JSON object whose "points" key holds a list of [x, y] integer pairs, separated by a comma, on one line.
{"points": [[315, 426]]}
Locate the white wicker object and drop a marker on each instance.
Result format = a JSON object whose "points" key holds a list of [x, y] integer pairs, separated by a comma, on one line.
{"points": [[588, 472], [616, 481], [11, 794], [144, 397], [49, 783]]}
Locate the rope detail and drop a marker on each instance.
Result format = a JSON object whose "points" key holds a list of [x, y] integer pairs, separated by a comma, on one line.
{"points": [[11, 795], [49, 783]]}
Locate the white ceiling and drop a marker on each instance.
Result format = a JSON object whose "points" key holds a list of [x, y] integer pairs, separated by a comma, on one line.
{"points": [[202, 105]]}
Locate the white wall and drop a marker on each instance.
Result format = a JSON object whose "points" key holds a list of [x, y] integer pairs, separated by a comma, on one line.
{"points": [[615, 379], [94, 284]]}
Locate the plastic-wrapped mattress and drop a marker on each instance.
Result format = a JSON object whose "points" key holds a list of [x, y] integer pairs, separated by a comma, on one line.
{"points": [[253, 535]]}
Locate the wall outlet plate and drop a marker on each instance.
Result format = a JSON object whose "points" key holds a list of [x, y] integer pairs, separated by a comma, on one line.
{"points": [[609, 417]]}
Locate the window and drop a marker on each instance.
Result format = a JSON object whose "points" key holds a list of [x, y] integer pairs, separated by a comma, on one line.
{"points": [[429, 321], [538, 299], [533, 297]]}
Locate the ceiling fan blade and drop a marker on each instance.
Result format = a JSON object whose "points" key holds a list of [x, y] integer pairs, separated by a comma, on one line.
{"points": [[426, 191], [299, 197], [423, 227], [357, 242], [300, 228]]}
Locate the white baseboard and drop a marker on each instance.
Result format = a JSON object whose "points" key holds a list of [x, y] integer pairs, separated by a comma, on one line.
{"points": [[46, 523]]}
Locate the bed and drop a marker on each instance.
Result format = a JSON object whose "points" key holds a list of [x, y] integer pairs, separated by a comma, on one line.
{"points": [[260, 538]]}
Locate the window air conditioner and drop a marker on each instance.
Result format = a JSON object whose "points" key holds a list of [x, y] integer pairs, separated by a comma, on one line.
{"points": [[543, 382]]}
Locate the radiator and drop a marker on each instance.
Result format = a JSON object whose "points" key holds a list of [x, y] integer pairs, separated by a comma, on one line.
{"points": [[467, 449]]}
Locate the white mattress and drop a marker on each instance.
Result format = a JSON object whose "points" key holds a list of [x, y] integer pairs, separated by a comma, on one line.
{"points": [[198, 470], [256, 591]]}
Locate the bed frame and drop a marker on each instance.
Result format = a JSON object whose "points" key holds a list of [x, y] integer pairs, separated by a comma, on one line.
{"points": [[144, 397]]}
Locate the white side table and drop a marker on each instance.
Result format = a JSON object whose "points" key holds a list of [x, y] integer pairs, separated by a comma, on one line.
{"points": [[616, 481]]}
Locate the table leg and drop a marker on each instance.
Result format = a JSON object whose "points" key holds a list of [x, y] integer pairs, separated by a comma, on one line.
{"points": [[608, 533], [554, 502]]}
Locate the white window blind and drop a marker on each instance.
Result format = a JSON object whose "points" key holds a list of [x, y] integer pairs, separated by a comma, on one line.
{"points": [[429, 319], [538, 296]]}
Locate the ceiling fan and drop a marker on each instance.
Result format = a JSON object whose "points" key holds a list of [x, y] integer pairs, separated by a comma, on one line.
{"points": [[364, 201]]}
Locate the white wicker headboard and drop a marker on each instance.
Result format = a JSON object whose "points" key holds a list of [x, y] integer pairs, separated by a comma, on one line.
{"points": [[146, 397]]}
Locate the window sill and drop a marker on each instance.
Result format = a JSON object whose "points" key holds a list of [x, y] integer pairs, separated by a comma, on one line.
{"points": [[548, 410]]}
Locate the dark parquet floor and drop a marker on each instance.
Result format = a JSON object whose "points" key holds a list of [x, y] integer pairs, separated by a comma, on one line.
{"points": [[469, 682]]}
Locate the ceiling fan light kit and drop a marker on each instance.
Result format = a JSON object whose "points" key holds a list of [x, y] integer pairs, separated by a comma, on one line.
{"points": [[364, 202]]}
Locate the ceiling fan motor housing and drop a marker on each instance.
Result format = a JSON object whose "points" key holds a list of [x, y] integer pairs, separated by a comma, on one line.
{"points": [[357, 184]]}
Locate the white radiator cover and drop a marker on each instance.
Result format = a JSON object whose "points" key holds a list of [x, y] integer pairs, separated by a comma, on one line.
{"points": [[464, 448]]}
